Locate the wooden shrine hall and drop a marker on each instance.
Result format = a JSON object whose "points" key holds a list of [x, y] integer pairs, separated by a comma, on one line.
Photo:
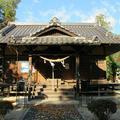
{"points": [[56, 50]]}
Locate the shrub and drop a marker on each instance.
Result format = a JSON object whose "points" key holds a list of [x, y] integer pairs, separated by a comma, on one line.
{"points": [[102, 108], [5, 106]]}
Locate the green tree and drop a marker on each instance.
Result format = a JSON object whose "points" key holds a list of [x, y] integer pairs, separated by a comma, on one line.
{"points": [[112, 66], [112, 61], [102, 108], [101, 20], [7, 11]]}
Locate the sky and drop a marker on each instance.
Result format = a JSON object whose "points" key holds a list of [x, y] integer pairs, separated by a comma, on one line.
{"points": [[70, 11]]}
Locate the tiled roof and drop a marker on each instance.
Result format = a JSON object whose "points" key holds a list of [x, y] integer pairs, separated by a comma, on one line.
{"points": [[86, 30], [56, 40]]}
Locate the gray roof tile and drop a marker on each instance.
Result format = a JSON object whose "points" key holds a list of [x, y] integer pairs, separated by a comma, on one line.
{"points": [[56, 40], [83, 29]]}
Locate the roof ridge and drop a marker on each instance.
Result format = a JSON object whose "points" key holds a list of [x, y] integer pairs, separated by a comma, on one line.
{"points": [[62, 23]]}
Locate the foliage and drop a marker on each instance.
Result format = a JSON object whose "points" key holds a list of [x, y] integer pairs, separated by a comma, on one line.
{"points": [[118, 73], [111, 68], [7, 11], [113, 63], [102, 108], [101, 20], [5, 106]]}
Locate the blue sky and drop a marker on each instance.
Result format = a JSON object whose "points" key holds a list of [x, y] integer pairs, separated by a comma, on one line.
{"points": [[39, 11]]}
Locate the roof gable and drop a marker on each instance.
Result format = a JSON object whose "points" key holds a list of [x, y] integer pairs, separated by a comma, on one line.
{"points": [[54, 28]]}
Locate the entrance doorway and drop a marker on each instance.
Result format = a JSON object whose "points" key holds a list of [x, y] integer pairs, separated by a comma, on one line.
{"points": [[54, 70]]}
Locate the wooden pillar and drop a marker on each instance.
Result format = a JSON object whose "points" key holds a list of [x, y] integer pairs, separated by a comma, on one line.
{"points": [[30, 78], [30, 69], [77, 73], [2, 57]]}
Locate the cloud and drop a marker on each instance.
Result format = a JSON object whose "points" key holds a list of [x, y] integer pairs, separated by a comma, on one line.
{"points": [[92, 15], [61, 13], [36, 1], [30, 17], [72, 14], [66, 15]]}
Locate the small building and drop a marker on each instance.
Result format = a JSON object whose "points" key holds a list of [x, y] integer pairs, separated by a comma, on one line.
{"points": [[65, 51]]}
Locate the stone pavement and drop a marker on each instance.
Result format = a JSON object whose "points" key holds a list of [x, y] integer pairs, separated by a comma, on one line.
{"points": [[20, 113], [17, 114], [53, 112], [44, 109]]}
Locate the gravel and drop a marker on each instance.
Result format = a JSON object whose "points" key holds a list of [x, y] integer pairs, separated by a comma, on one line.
{"points": [[53, 112]]}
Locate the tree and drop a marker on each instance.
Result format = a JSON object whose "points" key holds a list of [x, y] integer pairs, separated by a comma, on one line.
{"points": [[112, 61], [101, 20], [102, 108], [111, 67], [7, 11], [5, 107]]}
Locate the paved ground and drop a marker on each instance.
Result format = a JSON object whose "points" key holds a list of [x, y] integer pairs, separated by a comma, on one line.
{"points": [[16, 114], [53, 112]]}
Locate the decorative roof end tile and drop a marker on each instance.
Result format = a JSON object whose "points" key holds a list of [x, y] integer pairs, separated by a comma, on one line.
{"points": [[55, 21]]}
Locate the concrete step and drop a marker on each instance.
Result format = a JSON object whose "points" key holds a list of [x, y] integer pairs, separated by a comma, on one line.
{"points": [[61, 98], [38, 89], [64, 92], [59, 87], [56, 91], [58, 101], [59, 92]]}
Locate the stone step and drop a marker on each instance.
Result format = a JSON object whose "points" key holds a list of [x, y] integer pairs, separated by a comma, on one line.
{"points": [[56, 84], [58, 92], [61, 98], [56, 95], [48, 91], [38, 89], [66, 87], [58, 101], [60, 87]]}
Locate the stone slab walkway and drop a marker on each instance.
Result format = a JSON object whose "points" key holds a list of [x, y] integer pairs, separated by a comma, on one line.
{"points": [[17, 114], [53, 112]]}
